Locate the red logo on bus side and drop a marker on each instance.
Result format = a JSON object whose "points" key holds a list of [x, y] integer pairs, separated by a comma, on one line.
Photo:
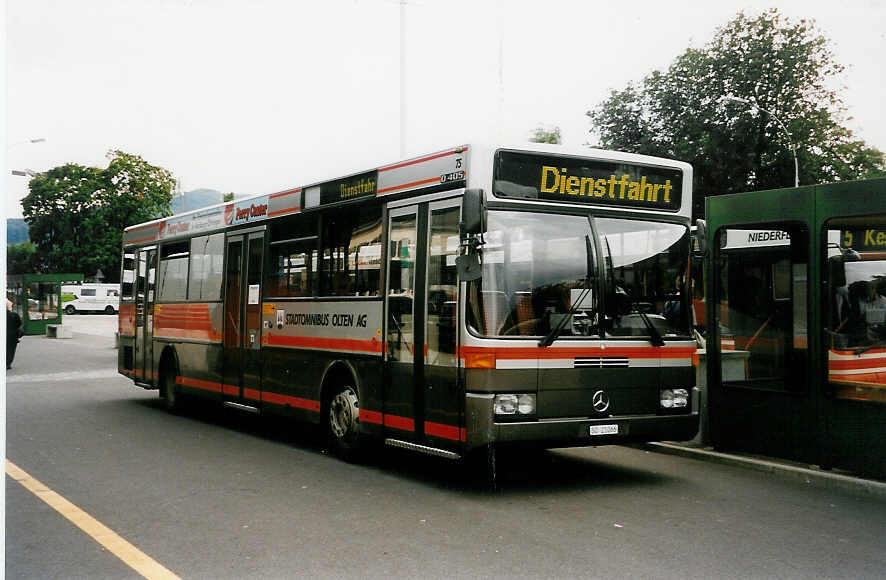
{"points": [[244, 214]]}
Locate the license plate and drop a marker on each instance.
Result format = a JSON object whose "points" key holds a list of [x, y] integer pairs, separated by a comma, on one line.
{"points": [[604, 430]]}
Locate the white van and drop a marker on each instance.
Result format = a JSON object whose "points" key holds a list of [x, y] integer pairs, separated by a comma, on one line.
{"points": [[93, 298]]}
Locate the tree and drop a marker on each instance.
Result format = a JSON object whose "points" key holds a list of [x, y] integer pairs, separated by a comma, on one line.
{"points": [[228, 197], [77, 214], [542, 135], [21, 258], [778, 66]]}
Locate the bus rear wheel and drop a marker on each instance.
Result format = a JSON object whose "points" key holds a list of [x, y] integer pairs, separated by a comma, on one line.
{"points": [[169, 391], [109, 309], [343, 423]]}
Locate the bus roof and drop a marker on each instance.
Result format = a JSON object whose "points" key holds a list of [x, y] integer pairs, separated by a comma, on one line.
{"points": [[460, 166]]}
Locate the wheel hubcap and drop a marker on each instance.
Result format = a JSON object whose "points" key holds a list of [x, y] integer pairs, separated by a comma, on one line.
{"points": [[343, 413]]}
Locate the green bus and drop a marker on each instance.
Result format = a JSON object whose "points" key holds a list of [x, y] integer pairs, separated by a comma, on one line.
{"points": [[797, 324]]}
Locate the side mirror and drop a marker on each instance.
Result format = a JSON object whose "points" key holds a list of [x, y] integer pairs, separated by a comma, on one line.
{"points": [[471, 230], [701, 237], [473, 213]]}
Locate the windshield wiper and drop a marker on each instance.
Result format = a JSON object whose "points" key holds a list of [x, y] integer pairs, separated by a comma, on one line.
{"points": [[654, 335], [555, 332]]}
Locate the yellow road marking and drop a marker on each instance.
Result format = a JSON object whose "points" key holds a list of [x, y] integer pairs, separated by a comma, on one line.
{"points": [[129, 554]]}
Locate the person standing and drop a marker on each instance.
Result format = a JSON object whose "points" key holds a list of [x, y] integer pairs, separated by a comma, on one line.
{"points": [[14, 332]]}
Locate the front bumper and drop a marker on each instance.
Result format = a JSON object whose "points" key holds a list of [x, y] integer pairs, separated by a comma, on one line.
{"points": [[575, 432]]}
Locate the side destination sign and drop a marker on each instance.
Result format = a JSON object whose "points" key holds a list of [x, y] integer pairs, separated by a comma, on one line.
{"points": [[349, 188], [576, 180]]}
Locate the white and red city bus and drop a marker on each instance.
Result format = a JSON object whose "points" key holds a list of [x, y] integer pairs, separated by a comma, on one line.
{"points": [[465, 299]]}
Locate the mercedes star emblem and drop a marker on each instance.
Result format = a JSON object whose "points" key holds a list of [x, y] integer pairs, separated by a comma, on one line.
{"points": [[601, 401]]}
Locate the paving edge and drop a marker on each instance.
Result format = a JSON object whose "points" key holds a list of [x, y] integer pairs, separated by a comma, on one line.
{"points": [[815, 477]]}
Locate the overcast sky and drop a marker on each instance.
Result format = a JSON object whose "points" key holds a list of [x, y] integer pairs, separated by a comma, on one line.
{"points": [[259, 96]]}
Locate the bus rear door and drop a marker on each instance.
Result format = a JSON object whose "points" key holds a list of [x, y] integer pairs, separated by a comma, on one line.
{"points": [[146, 260]]}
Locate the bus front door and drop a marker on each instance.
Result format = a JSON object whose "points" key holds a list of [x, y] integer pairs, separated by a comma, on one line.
{"points": [[146, 261], [241, 373], [421, 401]]}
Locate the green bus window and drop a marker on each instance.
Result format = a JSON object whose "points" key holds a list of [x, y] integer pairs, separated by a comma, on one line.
{"points": [[854, 312], [761, 303]]}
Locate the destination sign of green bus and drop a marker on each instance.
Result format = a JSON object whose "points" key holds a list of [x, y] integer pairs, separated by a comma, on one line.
{"points": [[587, 181], [349, 188], [864, 240]]}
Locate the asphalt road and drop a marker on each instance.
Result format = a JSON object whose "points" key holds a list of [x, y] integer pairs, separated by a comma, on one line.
{"points": [[217, 494]]}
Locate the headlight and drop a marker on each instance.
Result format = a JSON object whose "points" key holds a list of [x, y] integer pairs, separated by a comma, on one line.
{"points": [[526, 405], [505, 404], [681, 398], [514, 404], [674, 398]]}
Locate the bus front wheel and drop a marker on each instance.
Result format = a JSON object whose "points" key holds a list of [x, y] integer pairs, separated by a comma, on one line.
{"points": [[70, 309], [343, 423]]}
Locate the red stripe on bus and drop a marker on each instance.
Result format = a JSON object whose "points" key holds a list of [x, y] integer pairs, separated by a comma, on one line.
{"points": [[445, 431], [277, 212], [297, 402], [199, 384], [185, 321], [526, 352], [253, 394], [231, 390], [368, 416], [851, 365], [421, 159], [408, 185], [192, 334], [144, 227], [372, 346], [401, 423], [140, 240], [284, 193]]}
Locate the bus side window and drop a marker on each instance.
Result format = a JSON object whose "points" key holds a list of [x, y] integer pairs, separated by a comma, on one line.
{"points": [[351, 252], [855, 313], [761, 297], [293, 263], [207, 255], [128, 279], [173, 271]]}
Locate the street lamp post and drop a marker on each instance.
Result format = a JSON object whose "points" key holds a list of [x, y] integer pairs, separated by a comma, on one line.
{"points": [[25, 172], [780, 124], [37, 140]]}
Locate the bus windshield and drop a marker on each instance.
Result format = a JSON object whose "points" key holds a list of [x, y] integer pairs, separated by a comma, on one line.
{"points": [[539, 268], [646, 274]]}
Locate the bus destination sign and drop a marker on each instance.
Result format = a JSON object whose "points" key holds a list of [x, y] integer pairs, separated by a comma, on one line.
{"points": [[349, 188], [576, 180], [867, 240]]}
